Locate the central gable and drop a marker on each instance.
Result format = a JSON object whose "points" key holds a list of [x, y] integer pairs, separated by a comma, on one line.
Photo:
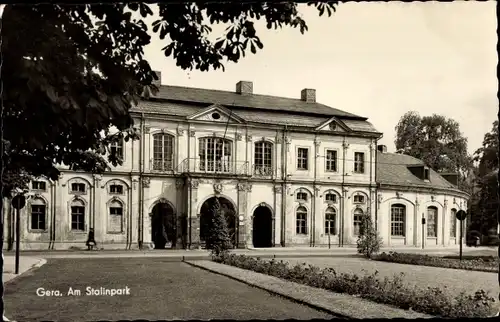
{"points": [[216, 113], [333, 125]]}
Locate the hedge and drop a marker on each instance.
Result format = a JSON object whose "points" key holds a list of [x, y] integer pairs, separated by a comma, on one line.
{"points": [[478, 263], [432, 301]]}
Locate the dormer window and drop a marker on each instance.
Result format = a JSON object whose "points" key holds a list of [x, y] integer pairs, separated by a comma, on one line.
{"points": [[359, 199], [78, 187], [331, 198], [39, 185], [301, 196], [426, 174], [116, 189]]}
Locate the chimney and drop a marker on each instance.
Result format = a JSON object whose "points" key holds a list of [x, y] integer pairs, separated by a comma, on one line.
{"points": [[157, 82], [244, 88], [308, 95], [382, 148], [451, 178]]}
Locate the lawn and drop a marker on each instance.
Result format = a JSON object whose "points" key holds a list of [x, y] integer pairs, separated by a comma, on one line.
{"points": [[159, 289]]}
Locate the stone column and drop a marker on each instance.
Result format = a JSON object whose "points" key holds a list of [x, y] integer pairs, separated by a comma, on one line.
{"points": [[193, 216]]}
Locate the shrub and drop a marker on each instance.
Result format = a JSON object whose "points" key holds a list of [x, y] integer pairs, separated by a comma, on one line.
{"points": [[218, 239], [391, 291], [467, 263], [369, 242]]}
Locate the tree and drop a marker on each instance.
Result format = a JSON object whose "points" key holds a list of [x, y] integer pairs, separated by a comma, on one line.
{"points": [[369, 241], [437, 141], [71, 72], [484, 205], [218, 241]]}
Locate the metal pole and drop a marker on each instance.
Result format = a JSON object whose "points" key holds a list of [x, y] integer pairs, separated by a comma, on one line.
{"points": [[329, 245], [461, 234], [18, 237], [423, 231]]}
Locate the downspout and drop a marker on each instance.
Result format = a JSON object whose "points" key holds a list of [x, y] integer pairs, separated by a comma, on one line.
{"points": [[141, 173], [371, 173], [376, 185], [188, 188], [342, 205], [284, 167], [52, 219]]}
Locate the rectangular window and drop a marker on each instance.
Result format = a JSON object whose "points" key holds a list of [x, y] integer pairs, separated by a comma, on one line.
{"points": [[38, 217], [116, 189], [78, 187], [398, 214], [263, 158], [163, 152], [359, 199], [215, 155], [330, 223], [359, 162], [78, 218], [302, 158], [39, 185], [302, 196], [431, 222], [453, 223], [116, 149], [331, 197], [331, 161], [426, 174]]}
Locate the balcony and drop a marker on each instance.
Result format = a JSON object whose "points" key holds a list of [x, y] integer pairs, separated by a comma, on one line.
{"points": [[214, 167]]}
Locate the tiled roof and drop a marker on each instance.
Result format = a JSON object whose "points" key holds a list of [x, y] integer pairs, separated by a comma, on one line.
{"points": [[252, 101], [392, 169]]}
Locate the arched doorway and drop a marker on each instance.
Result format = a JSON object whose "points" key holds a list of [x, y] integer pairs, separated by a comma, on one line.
{"points": [[163, 225], [262, 227], [206, 215]]}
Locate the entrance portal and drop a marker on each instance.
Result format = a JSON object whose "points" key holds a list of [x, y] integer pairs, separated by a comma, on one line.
{"points": [[163, 225], [206, 215], [262, 227]]}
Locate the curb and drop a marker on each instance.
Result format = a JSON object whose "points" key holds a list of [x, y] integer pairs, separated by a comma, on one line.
{"points": [[290, 298], [33, 267]]}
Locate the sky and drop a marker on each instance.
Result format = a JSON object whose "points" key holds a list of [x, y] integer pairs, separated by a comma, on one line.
{"points": [[374, 59]]}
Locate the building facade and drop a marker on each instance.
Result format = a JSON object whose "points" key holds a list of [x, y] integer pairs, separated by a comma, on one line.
{"points": [[286, 172]]}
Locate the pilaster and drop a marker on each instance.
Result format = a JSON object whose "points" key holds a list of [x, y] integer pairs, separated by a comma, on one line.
{"points": [[181, 224], [146, 150], [417, 224], [193, 217], [445, 225], [145, 222], [98, 217], [245, 225], [319, 216], [277, 231], [135, 205]]}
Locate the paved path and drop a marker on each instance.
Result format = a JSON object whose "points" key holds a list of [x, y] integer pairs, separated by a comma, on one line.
{"points": [[25, 263], [159, 289], [453, 280]]}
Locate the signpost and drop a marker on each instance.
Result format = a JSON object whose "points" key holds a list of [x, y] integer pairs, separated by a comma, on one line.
{"points": [[461, 215], [18, 202]]}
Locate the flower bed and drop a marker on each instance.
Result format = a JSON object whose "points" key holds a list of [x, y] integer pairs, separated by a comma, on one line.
{"points": [[479, 263], [393, 291]]}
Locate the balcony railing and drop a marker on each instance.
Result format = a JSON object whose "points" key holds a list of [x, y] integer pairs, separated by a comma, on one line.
{"points": [[262, 170], [215, 167], [161, 165]]}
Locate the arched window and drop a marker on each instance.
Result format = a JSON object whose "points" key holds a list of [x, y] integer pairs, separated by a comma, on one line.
{"points": [[398, 219], [330, 221], [357, 220], [263, 158], [38, 214], [453, 223], [115, 217], [432, 214], [215, 154], [77, 215], [301, 221], [163, 152]]}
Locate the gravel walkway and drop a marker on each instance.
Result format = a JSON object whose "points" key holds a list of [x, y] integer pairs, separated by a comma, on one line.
{"points": [[454, 280]]}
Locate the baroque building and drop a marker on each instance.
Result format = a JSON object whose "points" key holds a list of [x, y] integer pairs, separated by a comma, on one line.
{"points": [[287, 172]]}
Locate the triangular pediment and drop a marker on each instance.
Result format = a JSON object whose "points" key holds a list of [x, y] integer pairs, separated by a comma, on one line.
{"points": [[333, 125], [216, 113]]}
